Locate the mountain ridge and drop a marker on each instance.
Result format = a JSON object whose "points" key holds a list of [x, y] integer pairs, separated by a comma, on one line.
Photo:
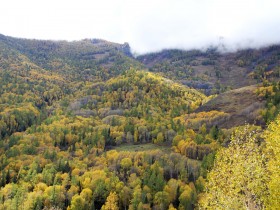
{"points": [[209, 70]]}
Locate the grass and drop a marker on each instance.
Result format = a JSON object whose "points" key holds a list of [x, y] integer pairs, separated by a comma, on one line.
{"points": [[141, 148]]}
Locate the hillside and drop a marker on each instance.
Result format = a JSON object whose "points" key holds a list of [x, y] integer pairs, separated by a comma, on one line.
{"points": [[83, 125], [240, 105], [88, 59], [215, 72], [67, 156]]}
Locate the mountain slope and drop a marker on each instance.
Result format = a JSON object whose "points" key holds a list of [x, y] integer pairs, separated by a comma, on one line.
{"points": [[216, 72], [242, 106], [140, 100], [89, 59], [26, 91], [67, 157], [81, 127]]}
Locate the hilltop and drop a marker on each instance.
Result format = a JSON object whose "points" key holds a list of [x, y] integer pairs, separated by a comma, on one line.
{"points": [[88, 59]]}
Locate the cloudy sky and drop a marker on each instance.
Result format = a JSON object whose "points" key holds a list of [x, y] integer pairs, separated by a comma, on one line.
{"points": [[148, 25]]}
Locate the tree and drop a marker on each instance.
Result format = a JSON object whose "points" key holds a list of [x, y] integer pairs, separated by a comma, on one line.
{"points": [[238, 178], [272, 150], [171, 188], [86, 194], [187, 198], [214, 131], [54, 196], [200, 184], [171, 207], [203, 129], [136, 198], [153, 178], [77, 203], [34, 201], [125, 196], [161, 200], [111, 202], [129, 137], [126, 164], [159, 139]]}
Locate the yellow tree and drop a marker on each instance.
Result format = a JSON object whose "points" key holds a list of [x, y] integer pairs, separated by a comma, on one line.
{"points": [[272, 137], [161, 200], [77, 203], [187, 198], [171, 207], [238, 179], [86, 194], [111, 202], [172, 190]]}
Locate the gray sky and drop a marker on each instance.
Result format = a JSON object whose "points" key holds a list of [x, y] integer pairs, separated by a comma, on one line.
{"points": [[148, 25]]}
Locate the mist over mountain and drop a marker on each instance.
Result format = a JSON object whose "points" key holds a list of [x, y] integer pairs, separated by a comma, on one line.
{"points": [[148, 26]]}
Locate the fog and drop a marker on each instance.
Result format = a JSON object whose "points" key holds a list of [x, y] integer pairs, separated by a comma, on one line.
{"points": [[147, 25]]}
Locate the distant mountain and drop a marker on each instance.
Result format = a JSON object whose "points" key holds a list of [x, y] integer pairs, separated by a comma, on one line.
{"points": [[215, 72], [88, 59], [96, 59]]}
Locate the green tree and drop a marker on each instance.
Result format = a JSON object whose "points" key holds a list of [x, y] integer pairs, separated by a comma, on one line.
{"points": [[136, 198]]}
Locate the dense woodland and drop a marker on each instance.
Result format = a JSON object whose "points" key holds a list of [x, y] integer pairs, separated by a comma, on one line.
{"points": [[84, 125]]}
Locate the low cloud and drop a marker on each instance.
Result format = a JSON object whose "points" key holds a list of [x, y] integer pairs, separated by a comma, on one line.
{"points": [[148, 25], [199, 24]]}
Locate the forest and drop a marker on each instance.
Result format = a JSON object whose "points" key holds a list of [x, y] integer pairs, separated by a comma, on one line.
{"points": [[84, 125]]}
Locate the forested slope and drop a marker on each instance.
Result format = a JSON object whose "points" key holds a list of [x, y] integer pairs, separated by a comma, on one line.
{"points": [[83, 125], [57, 132], [214, 71], [88, 59]]}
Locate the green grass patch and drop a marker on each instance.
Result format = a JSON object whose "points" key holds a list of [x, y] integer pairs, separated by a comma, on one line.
{"points": [[141, 147]]}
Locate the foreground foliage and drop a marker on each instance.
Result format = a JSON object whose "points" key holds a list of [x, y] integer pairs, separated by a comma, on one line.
{"points": [[272, 150], [246, 174]]}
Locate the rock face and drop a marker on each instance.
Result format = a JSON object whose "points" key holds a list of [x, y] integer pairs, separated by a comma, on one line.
{"points": [[125, 48]]}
